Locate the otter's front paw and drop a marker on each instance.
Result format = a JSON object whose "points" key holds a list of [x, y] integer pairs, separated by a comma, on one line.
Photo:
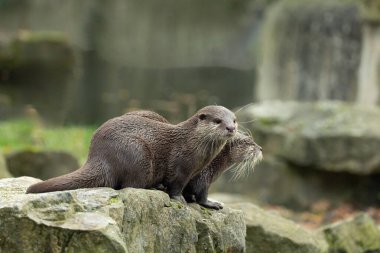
{"points": [[179, 198], [212, 205]]}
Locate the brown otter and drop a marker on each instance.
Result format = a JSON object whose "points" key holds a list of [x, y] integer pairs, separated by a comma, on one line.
{"points": [[135, 151], [150, 115], [240, 152]]}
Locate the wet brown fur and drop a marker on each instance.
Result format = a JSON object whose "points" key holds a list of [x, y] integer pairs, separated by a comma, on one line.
{"points": [[136, 151], [241, 148]]}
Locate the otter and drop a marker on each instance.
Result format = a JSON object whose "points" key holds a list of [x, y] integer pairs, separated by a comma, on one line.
{"points": [[241, 152], [135, 151], [150, 115]]}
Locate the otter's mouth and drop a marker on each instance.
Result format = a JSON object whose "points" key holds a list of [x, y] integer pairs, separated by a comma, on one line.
{"points": [[230, 134]]}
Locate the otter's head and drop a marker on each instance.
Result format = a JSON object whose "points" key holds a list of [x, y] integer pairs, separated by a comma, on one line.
{"points": [[217, 121], [243, 154]]}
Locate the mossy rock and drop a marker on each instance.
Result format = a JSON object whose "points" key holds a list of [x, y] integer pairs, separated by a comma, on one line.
{"points": [[359, 234], [3, 167], [322, 135], [106, 220], [41, 164], [270, 233], [370, 11], [42, 49]]}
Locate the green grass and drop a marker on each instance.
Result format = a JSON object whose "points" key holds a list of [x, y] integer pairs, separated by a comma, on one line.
{"points": [[23, 134]]}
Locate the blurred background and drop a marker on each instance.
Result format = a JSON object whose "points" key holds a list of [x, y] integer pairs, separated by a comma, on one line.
{"points": [[309, 70]]}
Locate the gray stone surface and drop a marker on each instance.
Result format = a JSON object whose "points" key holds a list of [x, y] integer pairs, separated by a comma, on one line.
{"points": [[359, 234], [38, 67], [277, 182], [129, 54], [41, 164], [311, 50], [3, 167], [33, 50], [270, 233], [129, 220], [330, 136]]}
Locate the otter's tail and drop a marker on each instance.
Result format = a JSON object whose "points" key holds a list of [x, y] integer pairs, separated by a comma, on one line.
{"points": [[74, 180]]}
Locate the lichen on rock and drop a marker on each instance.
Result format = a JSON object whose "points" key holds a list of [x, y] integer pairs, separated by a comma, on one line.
{"points": [[359, 234], [106, 220], [269, 233]]}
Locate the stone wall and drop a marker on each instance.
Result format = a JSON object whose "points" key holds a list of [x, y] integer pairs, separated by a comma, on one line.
{"points": [[310, 51]]}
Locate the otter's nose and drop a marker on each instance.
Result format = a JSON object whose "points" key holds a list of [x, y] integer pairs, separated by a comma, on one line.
{"points": [[231, 129]]}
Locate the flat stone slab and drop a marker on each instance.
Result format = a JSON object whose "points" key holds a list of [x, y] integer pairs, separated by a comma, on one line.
{"points": [[359, 234], [331, 136], [128, 220], [270, 233]]}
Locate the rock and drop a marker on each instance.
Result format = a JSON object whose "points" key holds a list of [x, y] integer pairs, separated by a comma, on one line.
{"points": [[35, 61], [40, 49], [6, 59], [370, 11], [150, 46], [304, 145], [273, 182], [3, 168], [369, 72], [323, 135], [230, 198], [279, 183], [129, 220], [41, 164], [269, 233], [36, 51], [356, 235], [311, 50]]}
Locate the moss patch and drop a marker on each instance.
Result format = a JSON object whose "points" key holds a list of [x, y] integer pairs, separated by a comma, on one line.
{"points": [[25, 134], [370, 11]]}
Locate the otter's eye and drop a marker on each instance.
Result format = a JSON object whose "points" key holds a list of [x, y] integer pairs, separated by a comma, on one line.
{"points": [[217, 121], [202, 116], [235, 121]]}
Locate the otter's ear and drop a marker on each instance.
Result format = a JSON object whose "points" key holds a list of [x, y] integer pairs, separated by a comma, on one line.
{"points": [[202, 116]]}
